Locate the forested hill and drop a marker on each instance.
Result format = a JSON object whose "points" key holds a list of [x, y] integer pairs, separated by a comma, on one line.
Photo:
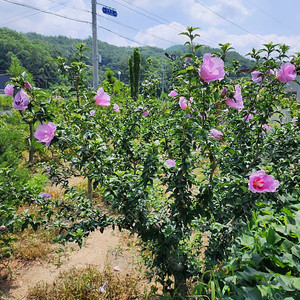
{"points": [[36, 53]]}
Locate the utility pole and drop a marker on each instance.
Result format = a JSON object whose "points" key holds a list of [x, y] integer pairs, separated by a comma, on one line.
{"points": [[95, 71], [95, 45]]}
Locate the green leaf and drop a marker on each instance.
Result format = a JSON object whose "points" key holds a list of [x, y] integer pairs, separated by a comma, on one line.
{"points": [[252, 294], [286, 283], [296, 250], [272, 236]]}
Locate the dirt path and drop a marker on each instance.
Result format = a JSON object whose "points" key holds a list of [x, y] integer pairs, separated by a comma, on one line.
{"points": [[109, 248]]}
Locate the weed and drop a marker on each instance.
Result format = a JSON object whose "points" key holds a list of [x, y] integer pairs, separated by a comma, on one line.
{"points": [[33, 245], [85, 283]]}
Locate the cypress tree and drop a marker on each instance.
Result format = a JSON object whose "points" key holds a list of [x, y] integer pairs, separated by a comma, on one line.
{"points": [[134, 72]]}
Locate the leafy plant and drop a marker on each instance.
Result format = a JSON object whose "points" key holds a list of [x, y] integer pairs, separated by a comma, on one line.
{"points": [[265, 260]]}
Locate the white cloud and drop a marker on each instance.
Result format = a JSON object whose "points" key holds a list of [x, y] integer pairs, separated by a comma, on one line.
{"points": [[161, 35], [234, 9], [213, 13], [29, 20], [243, 43]]}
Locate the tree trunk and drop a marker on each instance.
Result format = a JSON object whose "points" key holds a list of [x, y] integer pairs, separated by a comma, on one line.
{"points": [[30, 159], [180, 286], [90, 189]]}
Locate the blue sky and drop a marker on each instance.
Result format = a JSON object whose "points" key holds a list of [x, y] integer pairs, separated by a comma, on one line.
{"points": [[243, 23]]}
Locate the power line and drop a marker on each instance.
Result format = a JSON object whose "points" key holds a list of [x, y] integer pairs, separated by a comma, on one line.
{"points": [[207, 40], [238, 26], [63, 4], [138, 13], [61, 16], [135, 29], [124, 37], [111, 20], [23, 17], [47, 12], [278, 21], [87, 22], [159, 17]]}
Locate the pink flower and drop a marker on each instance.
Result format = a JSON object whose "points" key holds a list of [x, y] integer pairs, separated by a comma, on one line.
{"points": [[238, 103], [266, 126], [102, 288], [27, 85], [260, 182], [173, 94], [2, 227], [9, 90], [223, 93], [295, 119], [202, 117], [117, 269], [92, 113], [248, 118], [216, 134], [102, 98], [183, 103], [256, 76], [286, 72], [116, 107], [169, 163], [21, 100], [212, 68], [45, 196], [45, 133], [144, 113], [187, 59]]}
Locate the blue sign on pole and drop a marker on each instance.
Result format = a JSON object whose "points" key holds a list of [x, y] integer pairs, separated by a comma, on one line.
{"points": [[109, 11]]}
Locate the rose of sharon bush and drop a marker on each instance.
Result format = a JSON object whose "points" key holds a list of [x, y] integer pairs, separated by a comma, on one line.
{"points": [[238, 103], [183, 103], [256, 76], [45, 196], [169, 163], [212, 68], [173, 94], [9, 90], [286, 72], [27, 85], [21, 100], [216, 134], [102, 98], [260, 182], [116, 107], [45, 133]]}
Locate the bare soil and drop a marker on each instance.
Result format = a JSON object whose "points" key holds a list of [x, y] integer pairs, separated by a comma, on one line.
{"points": [[111, 248]]}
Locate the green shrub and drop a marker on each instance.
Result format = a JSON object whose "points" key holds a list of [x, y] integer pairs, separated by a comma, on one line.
{"points": [[265, 260]]}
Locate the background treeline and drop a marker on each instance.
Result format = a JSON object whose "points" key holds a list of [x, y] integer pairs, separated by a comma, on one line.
{"points": [[36, 53]]}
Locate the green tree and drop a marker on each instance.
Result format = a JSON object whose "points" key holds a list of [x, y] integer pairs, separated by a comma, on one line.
{"points": [[135, 72], [16, 69]]}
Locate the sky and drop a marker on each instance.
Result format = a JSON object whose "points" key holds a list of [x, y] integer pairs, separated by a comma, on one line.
{"points": [[246, 24]]}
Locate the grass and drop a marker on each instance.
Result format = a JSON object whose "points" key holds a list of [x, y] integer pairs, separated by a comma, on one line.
{"points": [[85, 283], [32, 245]]}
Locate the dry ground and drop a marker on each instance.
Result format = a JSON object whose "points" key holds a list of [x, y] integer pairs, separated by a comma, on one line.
{"points": [[112, 248]]}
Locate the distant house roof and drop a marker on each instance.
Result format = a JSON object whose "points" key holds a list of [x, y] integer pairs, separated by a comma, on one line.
{"points": [[3, 79]]}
